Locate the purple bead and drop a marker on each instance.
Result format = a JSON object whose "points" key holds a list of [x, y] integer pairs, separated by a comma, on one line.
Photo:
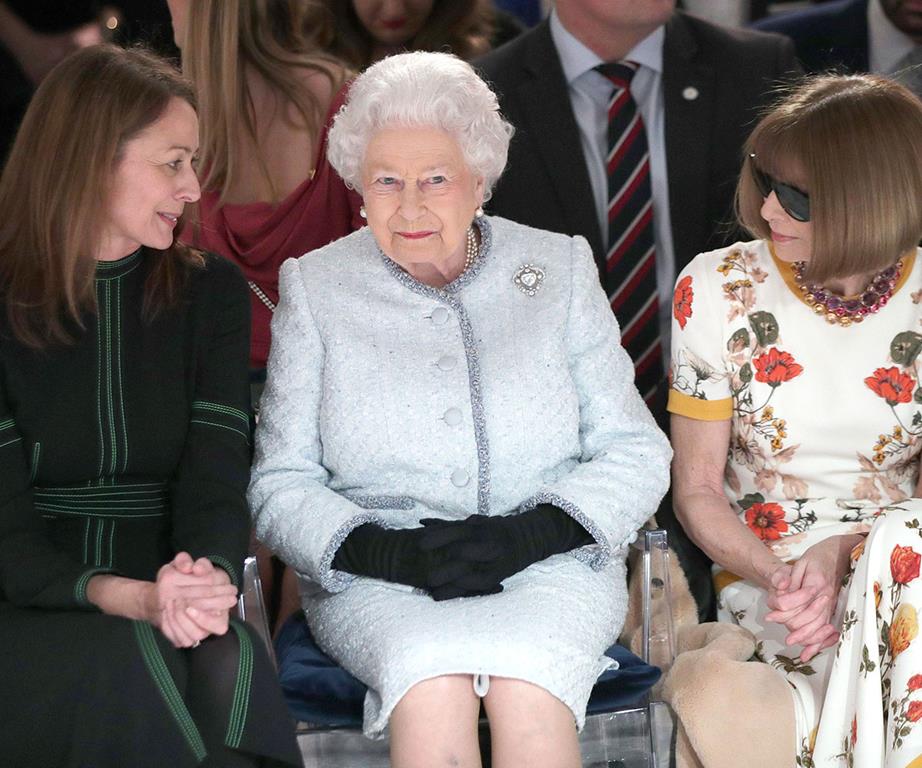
{"points": [[819, 295], [882, 286], [852, 306], [869, 299], [888, 274], [833, 302]]}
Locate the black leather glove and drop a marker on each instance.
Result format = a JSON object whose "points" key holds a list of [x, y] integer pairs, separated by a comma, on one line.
{"points": [[478, 553], [396, 555]]}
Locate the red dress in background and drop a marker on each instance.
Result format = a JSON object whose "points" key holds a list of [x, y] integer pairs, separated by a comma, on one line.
{"points": [[259, 237]]}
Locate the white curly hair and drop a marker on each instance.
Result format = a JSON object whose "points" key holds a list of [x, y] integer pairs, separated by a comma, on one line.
{"points": [[421, 89]]}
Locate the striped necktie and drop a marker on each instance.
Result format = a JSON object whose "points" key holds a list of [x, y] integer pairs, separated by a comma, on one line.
{"points": [[630, 262]]}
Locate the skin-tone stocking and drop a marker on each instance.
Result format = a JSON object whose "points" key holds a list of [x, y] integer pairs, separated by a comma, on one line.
{"points": [[529, 726], [435, 724]]}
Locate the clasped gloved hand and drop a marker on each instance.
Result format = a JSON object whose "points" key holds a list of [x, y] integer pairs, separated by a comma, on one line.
{"points": [[460, 558], [396, 555], [476, 554]]}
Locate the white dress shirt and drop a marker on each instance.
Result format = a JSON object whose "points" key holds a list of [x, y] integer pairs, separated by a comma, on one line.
{"points": [[590, 93]]}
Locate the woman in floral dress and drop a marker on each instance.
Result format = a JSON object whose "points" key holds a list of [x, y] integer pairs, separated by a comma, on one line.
{"points": [[796, 408]]}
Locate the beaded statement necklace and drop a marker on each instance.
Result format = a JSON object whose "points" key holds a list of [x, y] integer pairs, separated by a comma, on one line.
{"points": [[850, 309]]}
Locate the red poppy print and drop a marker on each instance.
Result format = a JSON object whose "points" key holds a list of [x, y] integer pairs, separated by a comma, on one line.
{"points": [[776, 367], [915, 683], [682, 301], [892, 385], [854, 730], [914, 713], [904, 564], [766, 520]]}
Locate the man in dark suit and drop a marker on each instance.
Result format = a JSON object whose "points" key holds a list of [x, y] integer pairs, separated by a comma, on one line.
{"points": [[714, 81], [698, 89], [853, 35]]}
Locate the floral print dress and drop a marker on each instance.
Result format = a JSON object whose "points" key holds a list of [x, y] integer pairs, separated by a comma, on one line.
{"points": [[826, 429]]}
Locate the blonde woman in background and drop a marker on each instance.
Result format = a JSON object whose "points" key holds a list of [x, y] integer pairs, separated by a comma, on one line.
{"points": [[266, 94]]}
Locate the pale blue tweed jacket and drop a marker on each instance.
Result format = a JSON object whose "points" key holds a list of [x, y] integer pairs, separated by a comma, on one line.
{"points": [[389, 401]]}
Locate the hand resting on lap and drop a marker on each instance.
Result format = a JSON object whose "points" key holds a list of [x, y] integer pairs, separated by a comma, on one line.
{"points": [[803, 595]]}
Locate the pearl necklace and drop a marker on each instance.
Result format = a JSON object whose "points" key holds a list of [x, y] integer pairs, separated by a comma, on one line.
{"points": [[853, 309], [471, 251]]}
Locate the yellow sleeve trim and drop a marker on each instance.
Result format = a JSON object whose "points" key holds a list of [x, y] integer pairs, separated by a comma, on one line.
{"points": [[695, 408], [723, 579]]}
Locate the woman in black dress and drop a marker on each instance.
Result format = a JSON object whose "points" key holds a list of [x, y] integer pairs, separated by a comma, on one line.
{"points": [[124, 442]]}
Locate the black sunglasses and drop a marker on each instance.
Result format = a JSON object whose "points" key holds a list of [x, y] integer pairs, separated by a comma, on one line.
{"points": [[795, 202]]}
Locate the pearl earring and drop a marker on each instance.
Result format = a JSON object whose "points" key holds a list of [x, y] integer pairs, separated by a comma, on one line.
{"points": [[362, 212], [479, 212]]}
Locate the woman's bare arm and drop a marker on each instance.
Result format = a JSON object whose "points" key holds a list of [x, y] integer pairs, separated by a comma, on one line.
{"points": [[700, 449]]}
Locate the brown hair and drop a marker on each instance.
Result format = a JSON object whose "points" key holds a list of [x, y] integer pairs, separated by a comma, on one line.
{"points": [[461, 27], [854, 143], [224, 38], [54, 191]]}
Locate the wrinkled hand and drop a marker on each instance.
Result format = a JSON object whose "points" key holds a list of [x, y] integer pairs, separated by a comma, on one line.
{"points": [[190, 600], [803, 596]]}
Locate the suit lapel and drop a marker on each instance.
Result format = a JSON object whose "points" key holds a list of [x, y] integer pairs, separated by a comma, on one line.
{"points": [[688, 98], [544, 101]]}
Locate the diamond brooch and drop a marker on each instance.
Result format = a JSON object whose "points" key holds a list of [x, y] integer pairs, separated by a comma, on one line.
{"points": [[528, 279]]}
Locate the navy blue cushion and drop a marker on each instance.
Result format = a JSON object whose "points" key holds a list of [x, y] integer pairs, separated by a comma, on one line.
{"points": [[320, 691]]}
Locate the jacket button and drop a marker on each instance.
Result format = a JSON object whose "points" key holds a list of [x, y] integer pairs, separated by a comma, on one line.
{"points": [[439, 316], [446, 362], [452, 417], [460, 478]]}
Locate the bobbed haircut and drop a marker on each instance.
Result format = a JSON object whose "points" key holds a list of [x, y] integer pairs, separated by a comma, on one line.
{"points": [[55, 188], [421, 90], [854, 143]]}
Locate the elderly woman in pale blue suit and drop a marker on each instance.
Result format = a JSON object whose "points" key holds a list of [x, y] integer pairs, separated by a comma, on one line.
{"points": [[452, 453]]}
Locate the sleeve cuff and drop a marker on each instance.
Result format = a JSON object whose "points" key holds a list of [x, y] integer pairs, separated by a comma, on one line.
{"points": [[696, 408], [226, 565], [332, 580], [597, 554], [80, 586]]}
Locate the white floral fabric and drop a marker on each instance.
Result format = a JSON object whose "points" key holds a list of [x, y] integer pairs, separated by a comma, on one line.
{"points": [[826, 422]]}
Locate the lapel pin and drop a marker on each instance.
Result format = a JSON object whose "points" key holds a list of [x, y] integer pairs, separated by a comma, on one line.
{"points": [[690, 93]]}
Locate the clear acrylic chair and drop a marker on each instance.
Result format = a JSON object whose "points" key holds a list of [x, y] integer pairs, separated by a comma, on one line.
{"points": [[636, 737], [641, 736]]}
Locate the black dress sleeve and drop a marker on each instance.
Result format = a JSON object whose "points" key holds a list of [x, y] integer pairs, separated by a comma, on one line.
{"points": [[33, 572], [208, 490]]}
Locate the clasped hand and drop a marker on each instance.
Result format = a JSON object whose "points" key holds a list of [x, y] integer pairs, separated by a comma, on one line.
{"points": [[460, 558], [803, 596], [467, 558], [190, 600]]}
